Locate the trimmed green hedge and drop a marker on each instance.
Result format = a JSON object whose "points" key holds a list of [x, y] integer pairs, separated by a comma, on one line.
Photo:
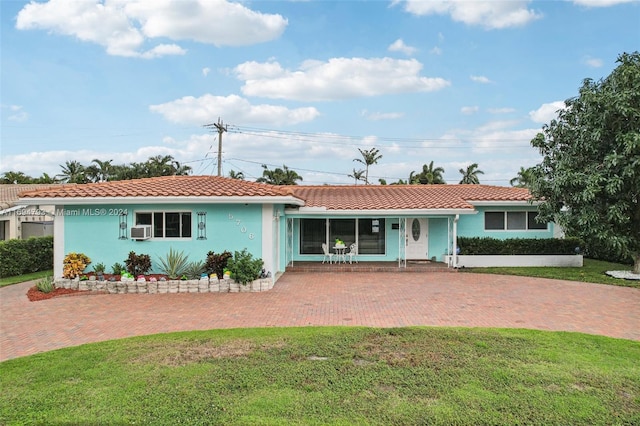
{"points": [[517, 246], [25, 256]]}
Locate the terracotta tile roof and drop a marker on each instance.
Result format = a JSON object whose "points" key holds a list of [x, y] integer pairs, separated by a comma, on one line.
{"points": [[9, 193], [396, 197], [165, 186]]}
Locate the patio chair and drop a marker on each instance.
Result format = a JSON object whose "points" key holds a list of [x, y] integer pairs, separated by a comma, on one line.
{"points": [[327, 253], [353, 252]]}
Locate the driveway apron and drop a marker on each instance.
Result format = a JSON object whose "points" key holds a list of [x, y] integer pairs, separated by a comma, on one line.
{"points": [[321, 299]]}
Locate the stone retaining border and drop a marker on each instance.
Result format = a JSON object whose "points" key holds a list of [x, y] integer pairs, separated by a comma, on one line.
{"points": [[203, 285]]}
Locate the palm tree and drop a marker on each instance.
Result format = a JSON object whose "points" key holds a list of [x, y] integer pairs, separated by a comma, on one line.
{"points": [[73, 172], [428, 176], [236, 175], [160, 166], [523, 179], [357, 175], [369, 158], [100, 171], [180, 170], [470, 175], [279, 176], [45, 178], [15, 178]]}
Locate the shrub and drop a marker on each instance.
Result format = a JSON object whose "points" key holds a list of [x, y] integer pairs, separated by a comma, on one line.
{"points": [[117, 268], [45, 285], [26, 256], [74, 264], [99, 268], [217, 262], [244, 268], [193, 270], [173, 264], [138, 264], [517, 246]]}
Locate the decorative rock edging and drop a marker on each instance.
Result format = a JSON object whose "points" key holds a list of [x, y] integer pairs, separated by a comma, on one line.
{"points": [[203, 285]]}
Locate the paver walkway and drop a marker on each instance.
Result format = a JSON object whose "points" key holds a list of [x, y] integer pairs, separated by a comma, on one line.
{"points": [[303, 299]]}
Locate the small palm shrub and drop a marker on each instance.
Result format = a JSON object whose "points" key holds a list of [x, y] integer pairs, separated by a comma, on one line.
{"points": [[244, 268], [216, 263], [74, 264], [173, 264], [45, 285], [117, 268], [193, 270]]}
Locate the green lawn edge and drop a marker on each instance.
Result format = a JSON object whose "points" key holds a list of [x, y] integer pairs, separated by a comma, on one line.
{"points": [[330, 375], [17, 279]]}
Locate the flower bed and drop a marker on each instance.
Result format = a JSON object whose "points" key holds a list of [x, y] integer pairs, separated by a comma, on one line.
{"points": [[155, 286]]}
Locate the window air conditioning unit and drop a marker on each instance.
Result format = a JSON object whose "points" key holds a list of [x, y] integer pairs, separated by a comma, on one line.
{"points": [[141, 232]]}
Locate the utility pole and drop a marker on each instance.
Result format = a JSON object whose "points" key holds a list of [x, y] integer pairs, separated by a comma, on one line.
{"points": [[221, 128]]}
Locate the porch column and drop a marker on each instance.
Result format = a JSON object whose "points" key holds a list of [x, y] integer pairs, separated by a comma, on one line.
{"points": [[455, 241]]}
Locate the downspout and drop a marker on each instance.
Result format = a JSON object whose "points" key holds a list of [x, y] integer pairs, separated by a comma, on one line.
{"points": [[455, 242]]}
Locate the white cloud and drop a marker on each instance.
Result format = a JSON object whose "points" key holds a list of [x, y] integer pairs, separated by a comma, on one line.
{"points": [[400, 46], [546, 112], [206, 71], [468, 110], [592, 62], [436, 51], [379, 116], [338, 78], [124, 26], [488, 14], [206, 108], [17, 114], [600, 3], [480, 79], [494, 136]]}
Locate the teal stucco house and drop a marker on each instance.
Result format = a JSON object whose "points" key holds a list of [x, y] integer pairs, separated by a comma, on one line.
{"points": [[280, 224]]}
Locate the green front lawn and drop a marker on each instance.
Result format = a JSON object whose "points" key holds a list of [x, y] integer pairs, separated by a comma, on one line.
{"points": [[330, 375], [593, 271], [27, 277]]}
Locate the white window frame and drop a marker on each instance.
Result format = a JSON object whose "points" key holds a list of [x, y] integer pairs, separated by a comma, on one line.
{"points": [[164, 226], [505, 214]]}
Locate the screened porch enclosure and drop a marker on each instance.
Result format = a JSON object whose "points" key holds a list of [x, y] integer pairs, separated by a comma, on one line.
{"points": [[367, 233]]}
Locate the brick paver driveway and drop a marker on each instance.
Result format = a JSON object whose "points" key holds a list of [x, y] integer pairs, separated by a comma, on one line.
{"points": [[303, 299]]}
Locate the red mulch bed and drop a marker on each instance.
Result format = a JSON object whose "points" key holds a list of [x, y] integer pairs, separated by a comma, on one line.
{"points": [[35, 295]]}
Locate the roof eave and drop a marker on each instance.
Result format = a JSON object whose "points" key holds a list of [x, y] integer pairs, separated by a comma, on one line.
{"points": [[495, 203], [310, 211], [164, 200]]}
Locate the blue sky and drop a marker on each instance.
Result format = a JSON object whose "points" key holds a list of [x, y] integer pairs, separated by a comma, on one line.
{"points": [[300, 83]]}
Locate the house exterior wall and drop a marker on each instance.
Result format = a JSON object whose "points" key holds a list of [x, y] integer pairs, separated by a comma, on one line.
{"points": [[438, 238], [228, 227], [472, 225]]}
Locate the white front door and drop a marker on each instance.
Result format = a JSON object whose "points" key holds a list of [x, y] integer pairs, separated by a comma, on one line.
{"points": [[416, 238]]}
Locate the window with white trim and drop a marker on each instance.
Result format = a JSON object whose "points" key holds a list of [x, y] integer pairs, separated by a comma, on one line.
{"points": [[166, 224], [512, 221]]}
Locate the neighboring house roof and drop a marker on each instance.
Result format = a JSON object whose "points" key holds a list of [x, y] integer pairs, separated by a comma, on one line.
{"points": [[405, 197], [354, 198], [10, 193], [163, 188]]}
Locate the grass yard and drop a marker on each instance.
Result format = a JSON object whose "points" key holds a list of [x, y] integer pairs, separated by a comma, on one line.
{"points": [[26, 277], [592, 271], [330, 375]]}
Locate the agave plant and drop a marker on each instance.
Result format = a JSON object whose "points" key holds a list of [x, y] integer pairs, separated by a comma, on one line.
{"points": [[193, 270], [173, 264]]}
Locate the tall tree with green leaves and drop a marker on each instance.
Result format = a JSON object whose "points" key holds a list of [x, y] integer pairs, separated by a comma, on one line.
{"points": [[429, 175], [15, 178], [236, 175], [523, 179], [73, 172], [279, 176], [470, 174], [589, 177], [369, 158], [356, 175]]}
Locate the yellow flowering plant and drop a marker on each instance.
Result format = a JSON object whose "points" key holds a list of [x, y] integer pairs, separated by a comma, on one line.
{"points": [[74, 264]]}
